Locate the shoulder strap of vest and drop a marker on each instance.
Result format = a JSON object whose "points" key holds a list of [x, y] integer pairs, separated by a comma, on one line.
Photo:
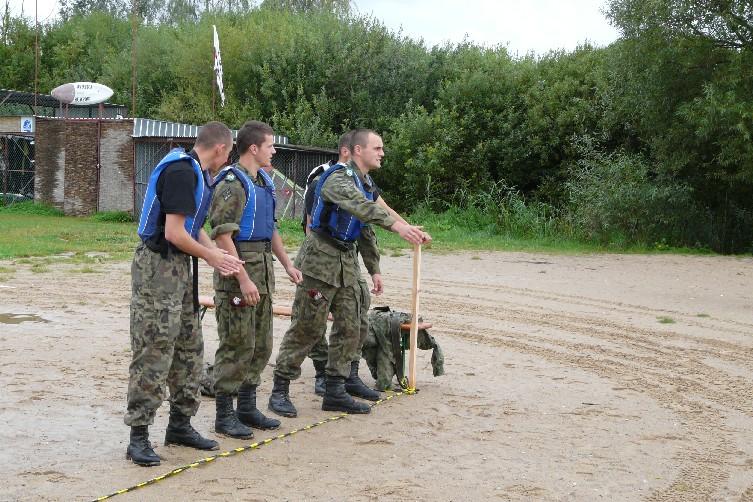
{"points": [[267, 180], [238, 174], [326, 174], [317, 171]]}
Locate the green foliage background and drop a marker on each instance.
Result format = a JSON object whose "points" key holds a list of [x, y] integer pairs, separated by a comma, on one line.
{"points": [[644, 142]]}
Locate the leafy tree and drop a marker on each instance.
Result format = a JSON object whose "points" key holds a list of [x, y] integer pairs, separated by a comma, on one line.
{"points": [[727, 23]]}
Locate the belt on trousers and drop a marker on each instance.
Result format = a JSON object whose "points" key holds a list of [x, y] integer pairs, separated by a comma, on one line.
{"points": [[336, 243], [261, 246]]}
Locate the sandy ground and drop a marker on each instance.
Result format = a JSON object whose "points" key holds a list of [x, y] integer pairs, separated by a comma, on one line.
{"points": [[561, 384]]}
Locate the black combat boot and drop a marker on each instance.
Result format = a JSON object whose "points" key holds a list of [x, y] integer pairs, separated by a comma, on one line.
{"points": [[227, 422], [355, 386], [180, 432], [139, 450], [249, 414], [336, 399], [279, 400], [320, 378]]}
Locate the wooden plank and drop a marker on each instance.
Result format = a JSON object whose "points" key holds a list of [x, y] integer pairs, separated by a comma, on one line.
{"points": [[286, 311]]}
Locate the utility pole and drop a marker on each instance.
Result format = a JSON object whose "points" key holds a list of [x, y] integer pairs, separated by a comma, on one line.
{"points": [[36, 53], [134, 27]]}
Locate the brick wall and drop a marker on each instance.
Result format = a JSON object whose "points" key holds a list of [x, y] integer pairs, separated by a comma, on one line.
{"points": [[116, 171], [49, 161], [66, 165], [80, 167]]}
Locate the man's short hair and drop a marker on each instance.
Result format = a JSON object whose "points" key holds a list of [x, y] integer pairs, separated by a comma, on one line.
{"points": [[345, 141], [360, 137], [214, 133], [253, 132]]}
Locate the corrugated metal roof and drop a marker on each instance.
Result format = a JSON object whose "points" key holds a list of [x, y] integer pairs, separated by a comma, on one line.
{"points": [[148, 128]]}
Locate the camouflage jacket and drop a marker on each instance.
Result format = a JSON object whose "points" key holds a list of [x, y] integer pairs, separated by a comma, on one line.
{"points": [[319, 259], [382, 348]]}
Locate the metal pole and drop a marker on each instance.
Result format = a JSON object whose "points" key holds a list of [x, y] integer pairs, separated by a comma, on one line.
{"points": [[99, 165], [134, 27], [36, 56], [7, 166], [213, 93]]}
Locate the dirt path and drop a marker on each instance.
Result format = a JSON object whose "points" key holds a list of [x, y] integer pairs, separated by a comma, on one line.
{"points": [[604, 377]]}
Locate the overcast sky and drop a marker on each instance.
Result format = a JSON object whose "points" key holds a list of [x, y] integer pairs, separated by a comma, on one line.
{"points": [[521, 25]]}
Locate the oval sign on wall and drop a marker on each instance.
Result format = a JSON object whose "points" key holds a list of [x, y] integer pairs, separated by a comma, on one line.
{"points": [[82, 93]]}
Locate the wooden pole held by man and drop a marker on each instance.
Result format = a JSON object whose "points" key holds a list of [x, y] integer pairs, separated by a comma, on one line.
{"points": [[414, 317]]}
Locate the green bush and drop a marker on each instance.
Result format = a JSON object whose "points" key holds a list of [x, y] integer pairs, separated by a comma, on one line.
{"points": [[616, 199], [113, 217], [30, 207]]}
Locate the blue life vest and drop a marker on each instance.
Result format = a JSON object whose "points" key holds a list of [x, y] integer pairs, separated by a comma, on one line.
{"points": [[258, 220], [330, 217], [149, 223]]}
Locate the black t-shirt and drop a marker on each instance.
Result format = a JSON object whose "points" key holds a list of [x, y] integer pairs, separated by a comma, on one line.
{"points": [[175, 192]]}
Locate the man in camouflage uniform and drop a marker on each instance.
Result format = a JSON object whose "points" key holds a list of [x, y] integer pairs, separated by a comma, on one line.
{"points": [[369, 251], [329, 264], [242, 219], [166, 335]]}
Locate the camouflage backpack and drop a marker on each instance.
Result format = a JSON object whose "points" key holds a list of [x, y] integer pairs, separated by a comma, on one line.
{"points": [[386, 344]]}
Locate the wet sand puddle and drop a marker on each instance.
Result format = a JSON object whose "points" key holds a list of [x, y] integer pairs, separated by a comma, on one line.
{"points": [[9, 318]]}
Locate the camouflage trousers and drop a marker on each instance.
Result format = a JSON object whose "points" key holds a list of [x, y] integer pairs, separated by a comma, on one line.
{"points": [[166, 339], [320, 350], [245, 342], [314, 299]]}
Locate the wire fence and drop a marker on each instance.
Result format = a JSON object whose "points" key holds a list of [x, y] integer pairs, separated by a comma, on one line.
{"points": [[16, 168]]}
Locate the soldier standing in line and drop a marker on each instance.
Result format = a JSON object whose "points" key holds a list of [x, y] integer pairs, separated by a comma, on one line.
{"points": [[242, 215], [329, 264], [166, 335], [368, 249]]}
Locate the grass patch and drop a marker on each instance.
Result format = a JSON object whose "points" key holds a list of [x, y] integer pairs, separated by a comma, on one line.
{"points": [[665, 320], [40, 268], [702, 315], [30, 207], [113, 217], [7, 270], [27, 235], [85, 270], [33, 230], [472, 229]]}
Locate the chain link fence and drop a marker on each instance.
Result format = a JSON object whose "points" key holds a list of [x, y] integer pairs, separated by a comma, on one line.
{"points": [[291, 166], [16, 168]]}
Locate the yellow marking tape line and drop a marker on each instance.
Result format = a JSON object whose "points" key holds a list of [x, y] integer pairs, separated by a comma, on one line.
{"points": [[235, 451]]}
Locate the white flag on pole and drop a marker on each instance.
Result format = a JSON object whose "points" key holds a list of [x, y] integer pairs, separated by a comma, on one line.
{"points": [[218, 66]]}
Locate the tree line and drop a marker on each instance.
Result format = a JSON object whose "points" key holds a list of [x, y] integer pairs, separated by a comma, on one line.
{"points": [[645, 141]]}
